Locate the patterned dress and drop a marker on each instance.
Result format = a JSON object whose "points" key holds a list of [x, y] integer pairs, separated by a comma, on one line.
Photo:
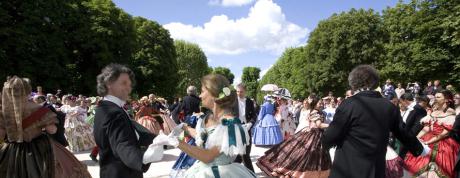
{"points": [[285, 121], [77, 131], [302, 155]]}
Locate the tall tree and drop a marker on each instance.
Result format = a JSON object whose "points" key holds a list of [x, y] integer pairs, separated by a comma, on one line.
{"points": [[155, 62], [289, 72], [250, 78], [34, 37], [341, 42], [225, 72], [192, 64], [416, 51], [106, 36]]}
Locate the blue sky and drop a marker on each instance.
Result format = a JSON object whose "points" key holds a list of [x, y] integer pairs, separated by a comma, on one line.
{"points": [[239, 33]]}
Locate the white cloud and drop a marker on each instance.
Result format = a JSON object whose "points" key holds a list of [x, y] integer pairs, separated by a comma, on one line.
{"points": [[264, 29], [263, 72], [228, 3], [228, 65], [237, 80]]}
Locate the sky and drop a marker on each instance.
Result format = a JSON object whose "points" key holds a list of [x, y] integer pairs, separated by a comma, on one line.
{"points": [[240, 33]]}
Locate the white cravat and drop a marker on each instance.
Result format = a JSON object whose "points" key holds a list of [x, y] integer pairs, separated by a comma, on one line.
{"points": [[242, 109], [120, 103], [407, 112]]}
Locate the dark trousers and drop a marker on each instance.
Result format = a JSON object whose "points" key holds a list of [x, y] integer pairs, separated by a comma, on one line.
{"points": [[246, 158]]}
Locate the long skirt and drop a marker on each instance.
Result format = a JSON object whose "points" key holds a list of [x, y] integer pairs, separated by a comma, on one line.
{"points": [[168, 124], [150, 123], [42, 157], [302, 155]]}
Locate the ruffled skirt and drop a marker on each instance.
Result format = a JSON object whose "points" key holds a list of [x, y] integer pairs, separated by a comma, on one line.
{"points": [[168, 124], [234, 170], [441, 166], [267, 132], [42, 157], [394, 164], [150, 123], [183, 163], [310, 159]]}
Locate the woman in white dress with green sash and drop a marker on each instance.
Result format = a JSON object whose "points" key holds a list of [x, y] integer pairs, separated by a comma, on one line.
{"points": [[223, 137]]}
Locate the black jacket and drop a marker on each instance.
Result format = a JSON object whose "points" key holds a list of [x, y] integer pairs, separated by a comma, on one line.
{"points": [[413, 125], [120, 151], [360, 130], [250, 112], [455, 134], [190, 104]]}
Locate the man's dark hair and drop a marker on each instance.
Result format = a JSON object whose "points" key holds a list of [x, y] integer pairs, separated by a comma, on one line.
{"points": [[407, 97], [362, 77], [109, 74]]}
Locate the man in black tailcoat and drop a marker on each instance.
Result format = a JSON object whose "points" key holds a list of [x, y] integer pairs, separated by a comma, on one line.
{"points": [[360, 129], [411, 117], [118, 138], [247, 115]]}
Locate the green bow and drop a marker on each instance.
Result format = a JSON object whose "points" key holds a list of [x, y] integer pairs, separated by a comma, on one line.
{"points": [[231, 130]]}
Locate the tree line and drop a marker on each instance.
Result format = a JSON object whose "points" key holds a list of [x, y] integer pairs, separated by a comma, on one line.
{"points": [[415, 41], [65, 44]]}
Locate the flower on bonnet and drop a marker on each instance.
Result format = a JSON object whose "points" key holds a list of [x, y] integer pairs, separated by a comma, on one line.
{"points": [[226, 91]]}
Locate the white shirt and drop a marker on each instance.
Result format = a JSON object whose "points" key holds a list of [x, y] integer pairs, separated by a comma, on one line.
{"points": [[115, 100], [409, 109], [119, 103], [242, 109]]}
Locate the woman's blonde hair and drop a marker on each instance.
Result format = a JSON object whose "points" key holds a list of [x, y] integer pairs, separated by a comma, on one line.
{"points": [[215, 83]]}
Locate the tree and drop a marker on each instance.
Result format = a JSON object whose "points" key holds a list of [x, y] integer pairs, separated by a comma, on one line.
{"points": [[422, 41], [225, 72], [340, 43], [192, 64], [106, 36], [34, 37], [155, 62], [250, 78], [289, 72]]}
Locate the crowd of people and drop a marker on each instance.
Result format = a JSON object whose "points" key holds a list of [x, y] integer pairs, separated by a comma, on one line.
{"points": [[385, 131]]}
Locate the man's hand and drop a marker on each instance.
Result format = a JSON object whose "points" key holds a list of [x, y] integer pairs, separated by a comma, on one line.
{"points": [[426, 149], [153, 154], [160, 139]]}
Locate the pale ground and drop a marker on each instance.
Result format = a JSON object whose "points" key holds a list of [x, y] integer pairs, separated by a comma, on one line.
{"points": [[162, 169]]}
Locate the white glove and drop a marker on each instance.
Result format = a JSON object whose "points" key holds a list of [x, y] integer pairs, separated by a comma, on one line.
{"points": [[154, 153], [177, 130], [426, 149], [160, 139], [248, 126], [173, 141]]}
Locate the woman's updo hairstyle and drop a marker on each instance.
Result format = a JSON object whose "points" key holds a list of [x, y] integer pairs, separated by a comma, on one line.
{"points": [[215, 84]]}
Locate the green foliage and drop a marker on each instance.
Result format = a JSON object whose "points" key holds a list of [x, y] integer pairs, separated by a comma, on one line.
{"points": [[65, 44], [225, 72], [410, 42], [154, 61], [250, 78], [416, 50], [192, 64]]}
